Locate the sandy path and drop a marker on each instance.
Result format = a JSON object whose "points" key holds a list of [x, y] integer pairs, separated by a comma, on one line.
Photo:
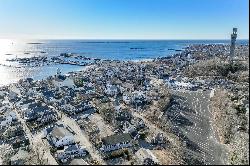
{"points": [[201, 132], [105, 129], [82, 138]]}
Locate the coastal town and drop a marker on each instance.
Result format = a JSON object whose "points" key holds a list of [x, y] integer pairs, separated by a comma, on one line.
{"points": [[125, 112]]}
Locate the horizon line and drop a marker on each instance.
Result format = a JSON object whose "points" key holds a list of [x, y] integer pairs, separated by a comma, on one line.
{"points": [[106, 39]]}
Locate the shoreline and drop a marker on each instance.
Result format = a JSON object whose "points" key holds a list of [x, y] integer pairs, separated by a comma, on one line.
{"points": [[168, 95], [136, 60], [169, 57]]}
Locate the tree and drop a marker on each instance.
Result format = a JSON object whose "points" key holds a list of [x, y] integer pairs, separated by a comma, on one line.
{"points": [[37, 155], [6, 152]]}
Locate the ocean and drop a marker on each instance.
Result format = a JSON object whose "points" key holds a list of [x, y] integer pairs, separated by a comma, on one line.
{"points": [[103, 49]]}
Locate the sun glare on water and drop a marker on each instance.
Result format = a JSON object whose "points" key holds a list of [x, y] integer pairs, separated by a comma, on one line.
{"points": [[8, 48]]}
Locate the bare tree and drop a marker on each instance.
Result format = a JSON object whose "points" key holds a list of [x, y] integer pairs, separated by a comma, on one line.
{"points": [[37, 155], [6, 152]]}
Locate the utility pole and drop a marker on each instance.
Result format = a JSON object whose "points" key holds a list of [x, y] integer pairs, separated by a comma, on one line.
{"points": [[233, 40]]}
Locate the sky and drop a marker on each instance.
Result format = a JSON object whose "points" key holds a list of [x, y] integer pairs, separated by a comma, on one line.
{"points": [[123, 19]]}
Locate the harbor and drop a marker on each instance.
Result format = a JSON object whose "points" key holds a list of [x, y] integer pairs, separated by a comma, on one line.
{"points": [[88, 51]]}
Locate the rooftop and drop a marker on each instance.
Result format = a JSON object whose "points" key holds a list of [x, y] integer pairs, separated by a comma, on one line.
{"points": [[119, 138], [60, 132]]}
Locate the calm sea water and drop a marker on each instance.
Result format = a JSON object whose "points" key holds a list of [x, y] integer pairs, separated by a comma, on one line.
{"points": [[104, 49]]}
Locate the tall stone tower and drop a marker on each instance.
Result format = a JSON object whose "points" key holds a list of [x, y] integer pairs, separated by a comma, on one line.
{"points": [[233, 40]]}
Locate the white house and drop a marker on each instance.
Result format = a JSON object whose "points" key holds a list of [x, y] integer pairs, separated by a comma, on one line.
{"points": [[115, 142], [109, 73], [126, 98], [2, 94], [189, 56], [111, 90], [9, 117], [71, 152], [59, 135], [212, 93], [139, 97], [12, 95], [117, 108]]}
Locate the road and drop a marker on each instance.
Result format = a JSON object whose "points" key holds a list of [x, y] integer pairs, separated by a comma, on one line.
{"points": [[82, 138], [36, 141]]}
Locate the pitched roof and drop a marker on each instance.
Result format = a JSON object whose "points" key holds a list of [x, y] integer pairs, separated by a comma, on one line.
{"points": [[118, 138], [72, 148]]}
